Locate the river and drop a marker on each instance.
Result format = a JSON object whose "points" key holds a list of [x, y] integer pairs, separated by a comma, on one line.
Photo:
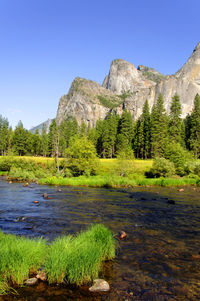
{"points": [[159, 259]]}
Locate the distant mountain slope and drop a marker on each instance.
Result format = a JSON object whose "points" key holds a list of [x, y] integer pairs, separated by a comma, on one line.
{"points": [[39, 127]]}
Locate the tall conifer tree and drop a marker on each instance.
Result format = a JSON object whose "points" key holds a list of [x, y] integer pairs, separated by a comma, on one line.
{"points": [[175, 122], [195, 127], [159, 128]]}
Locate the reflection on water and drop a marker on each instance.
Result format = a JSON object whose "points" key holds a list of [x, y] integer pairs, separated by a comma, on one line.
{"points": [[158, 260]]}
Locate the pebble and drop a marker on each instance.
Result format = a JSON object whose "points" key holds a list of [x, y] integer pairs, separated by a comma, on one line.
{"points": [[10, 182], [41, 275], [181, 190], [35, 202], [122, 235], [31, 281], [100, 285], [26, 185]]}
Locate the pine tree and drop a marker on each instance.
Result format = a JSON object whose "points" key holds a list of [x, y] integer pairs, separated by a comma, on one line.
{"points": [[54, 141], [68, 129], [20, 139], [195, 127], [83, 129], [125, 132], [44, 141], [175, 122], [111, 125], [36, 143], [4, 131], [159, 128]]}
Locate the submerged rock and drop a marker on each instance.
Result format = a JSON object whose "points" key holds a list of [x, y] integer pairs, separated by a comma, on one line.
{"points": [[45, 196], [100, 285], [171, 202], [31, 281]]}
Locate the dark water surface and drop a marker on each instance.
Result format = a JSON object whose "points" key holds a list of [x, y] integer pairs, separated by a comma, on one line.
{"points": [[158, 260]]}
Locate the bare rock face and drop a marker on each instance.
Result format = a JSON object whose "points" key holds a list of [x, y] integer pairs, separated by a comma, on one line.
{"points": [[124, 77], [126, 87], [186, 83], [88, 102]]}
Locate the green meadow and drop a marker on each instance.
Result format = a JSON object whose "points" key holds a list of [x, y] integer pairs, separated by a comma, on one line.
{"points": [[109, 173]]}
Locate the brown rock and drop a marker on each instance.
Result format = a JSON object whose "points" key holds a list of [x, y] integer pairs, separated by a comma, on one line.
{"points": [[122, 235], [181, 190], [45, 196], [26, 185], [196, 256], [35, 202], [100, 285], [10, 182]]}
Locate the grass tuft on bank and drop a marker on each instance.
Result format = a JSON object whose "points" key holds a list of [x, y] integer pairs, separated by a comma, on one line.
{"points": [[71, 259], [78, 259]]}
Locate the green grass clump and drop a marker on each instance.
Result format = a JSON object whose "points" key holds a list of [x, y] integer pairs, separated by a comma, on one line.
{"points": [[78, 259], [74, 259], [19, 255]]}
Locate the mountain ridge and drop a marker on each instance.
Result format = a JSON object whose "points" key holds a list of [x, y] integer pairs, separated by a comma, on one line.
{"points": [[88, 101]]}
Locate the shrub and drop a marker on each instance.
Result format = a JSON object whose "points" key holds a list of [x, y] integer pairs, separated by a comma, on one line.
{"points": [[197, 169], [5, 163], [178, 155], [81, 157], [161, 168]]}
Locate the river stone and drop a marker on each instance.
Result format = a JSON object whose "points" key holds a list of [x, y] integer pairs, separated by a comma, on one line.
{"points": [[31, 281], [41, 275], [100, 285]]}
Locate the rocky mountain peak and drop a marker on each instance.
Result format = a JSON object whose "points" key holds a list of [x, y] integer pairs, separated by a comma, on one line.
{"points": [[127, 87], [124, 76]]}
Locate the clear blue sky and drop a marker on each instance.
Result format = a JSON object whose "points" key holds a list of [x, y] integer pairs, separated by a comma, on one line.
{"points": [[44, 44]]}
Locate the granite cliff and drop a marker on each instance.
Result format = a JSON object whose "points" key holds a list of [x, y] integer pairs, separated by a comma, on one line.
{"points": [[127, 87]]}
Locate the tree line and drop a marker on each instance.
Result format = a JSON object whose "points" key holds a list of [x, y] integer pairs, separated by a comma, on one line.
{"points": [[148, 137]]}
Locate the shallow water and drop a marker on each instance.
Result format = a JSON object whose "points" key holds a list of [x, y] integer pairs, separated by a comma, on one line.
{"points": [[155, 262]]}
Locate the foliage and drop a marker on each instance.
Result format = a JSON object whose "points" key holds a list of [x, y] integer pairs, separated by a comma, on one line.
{"points": [[175, 122], [81, 157], [194, 139], [161, 168], [178, 155], [110, 102], [159, 128], [142, 135]]}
